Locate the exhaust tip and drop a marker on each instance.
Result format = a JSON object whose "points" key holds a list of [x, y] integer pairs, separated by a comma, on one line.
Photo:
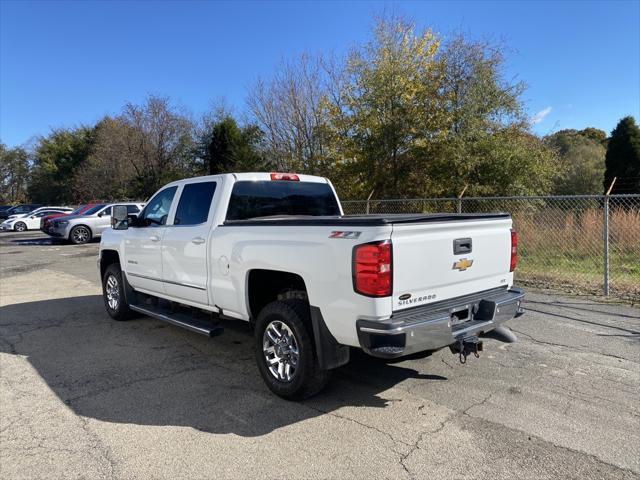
{"points": [[502, 334]]}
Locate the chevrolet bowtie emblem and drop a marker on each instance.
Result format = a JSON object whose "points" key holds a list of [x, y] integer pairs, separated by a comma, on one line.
{"points": [[462, 264]]}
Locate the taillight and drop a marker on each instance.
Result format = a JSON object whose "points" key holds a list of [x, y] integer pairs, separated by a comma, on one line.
{"points": [[372, 273], [514, 250], [292, 177]]}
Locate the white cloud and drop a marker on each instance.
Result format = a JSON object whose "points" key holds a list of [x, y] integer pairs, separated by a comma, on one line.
{"points": [[538, 117]]}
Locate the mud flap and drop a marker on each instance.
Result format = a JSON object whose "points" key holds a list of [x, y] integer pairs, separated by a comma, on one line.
{"points": [[330, 353]]}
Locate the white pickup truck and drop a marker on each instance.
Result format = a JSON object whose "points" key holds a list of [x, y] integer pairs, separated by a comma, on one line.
{"points": [[276, 250]]}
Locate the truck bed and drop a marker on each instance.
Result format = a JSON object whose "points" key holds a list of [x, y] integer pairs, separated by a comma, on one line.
{"points": [[363, 220]]}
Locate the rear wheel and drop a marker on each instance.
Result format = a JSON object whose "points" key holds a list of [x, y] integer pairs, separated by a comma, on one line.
{"points": [[113, 293], [20, 227], [80, 235], [285, 351]]}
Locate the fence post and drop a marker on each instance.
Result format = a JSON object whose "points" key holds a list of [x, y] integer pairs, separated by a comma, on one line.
{"points": [[368, 199], [460, 198], [606, 238]]}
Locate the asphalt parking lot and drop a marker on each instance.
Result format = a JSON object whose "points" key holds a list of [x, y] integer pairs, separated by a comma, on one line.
{"points": [[82, 396]]}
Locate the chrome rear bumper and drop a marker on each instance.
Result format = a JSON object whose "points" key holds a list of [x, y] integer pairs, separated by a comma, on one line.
{"points": [[440, 324]]}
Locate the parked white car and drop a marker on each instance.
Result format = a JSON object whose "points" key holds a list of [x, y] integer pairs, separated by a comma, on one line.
{"points": [[277, 250], [31, 220]]}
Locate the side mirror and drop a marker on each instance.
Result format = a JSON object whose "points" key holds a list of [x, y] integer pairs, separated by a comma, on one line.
{"points": [[119, 217]]}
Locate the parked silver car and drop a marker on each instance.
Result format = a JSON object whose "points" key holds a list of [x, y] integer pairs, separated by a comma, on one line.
{"points": [[81, 229]]}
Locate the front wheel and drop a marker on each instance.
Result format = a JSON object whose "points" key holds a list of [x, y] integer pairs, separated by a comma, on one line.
{"points": [[20, 227], [80, 235], [113, 293], [285, 352]]}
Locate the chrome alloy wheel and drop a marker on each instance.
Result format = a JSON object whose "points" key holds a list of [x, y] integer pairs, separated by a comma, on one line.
{"points": [[80, 234], [113, 292], [280, 351]]}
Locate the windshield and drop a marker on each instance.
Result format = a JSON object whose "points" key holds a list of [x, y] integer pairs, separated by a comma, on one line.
{"points": [[79, 210], [95, 209]]}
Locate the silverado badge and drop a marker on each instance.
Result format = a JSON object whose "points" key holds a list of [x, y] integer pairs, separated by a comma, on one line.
{"points": [[462, 264]]}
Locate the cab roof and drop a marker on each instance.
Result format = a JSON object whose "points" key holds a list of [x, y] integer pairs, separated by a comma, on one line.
{"points": [[249, 176]]}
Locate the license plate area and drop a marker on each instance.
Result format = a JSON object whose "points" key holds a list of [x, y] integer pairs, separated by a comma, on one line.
{"points": [[484, 310], [461, 314]]}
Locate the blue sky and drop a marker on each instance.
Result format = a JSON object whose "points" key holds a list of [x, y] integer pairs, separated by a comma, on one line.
{"points": [[63, 64]]}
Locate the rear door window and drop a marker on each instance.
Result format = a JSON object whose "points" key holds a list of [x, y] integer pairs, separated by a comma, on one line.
{"points": [[252, 199], [195, 203]]}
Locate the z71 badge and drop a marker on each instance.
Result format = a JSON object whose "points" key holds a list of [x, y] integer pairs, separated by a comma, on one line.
{"points": [[462, 264], [344, 235]]}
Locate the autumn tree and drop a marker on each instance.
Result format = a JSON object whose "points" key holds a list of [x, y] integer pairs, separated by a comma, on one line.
{"points": [[108, 172], [419, 118], [595, 134], [487, 129], [389, 111], [56, 158], [581, 157], [288, 110], [158, 143], [14, 172]]}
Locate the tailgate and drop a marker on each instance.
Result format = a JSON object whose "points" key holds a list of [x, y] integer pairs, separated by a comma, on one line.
{"points": [[435, 261]]}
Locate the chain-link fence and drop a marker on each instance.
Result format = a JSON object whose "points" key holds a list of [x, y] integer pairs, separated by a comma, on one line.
{"points": [[574, 244]]}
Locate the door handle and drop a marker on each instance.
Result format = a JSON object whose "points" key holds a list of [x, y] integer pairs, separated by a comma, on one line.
{"points": [[154, 238], [198, 240]]}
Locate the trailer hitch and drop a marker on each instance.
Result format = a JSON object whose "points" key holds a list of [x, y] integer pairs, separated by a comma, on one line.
{"points": [[465, 347]]}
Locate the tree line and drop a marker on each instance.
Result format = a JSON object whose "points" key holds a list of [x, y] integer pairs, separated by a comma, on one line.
{"points": [[405, 114]]}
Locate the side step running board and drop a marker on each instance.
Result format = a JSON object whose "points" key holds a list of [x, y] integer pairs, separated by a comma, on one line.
{"points": [[180, 319]]}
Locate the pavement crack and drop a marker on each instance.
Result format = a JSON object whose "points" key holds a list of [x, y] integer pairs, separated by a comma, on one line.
{"points": [[370, 427], [571, 347], [416, 445]]}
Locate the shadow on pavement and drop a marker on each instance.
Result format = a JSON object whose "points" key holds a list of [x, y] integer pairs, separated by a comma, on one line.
{"points": [[146, 372], [582, 320], [581, 307], [50, 241]]}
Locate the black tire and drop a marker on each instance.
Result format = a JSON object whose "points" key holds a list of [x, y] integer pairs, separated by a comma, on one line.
{"points": [[80, 234], [308, 378], [20, 226], [113, 286]]}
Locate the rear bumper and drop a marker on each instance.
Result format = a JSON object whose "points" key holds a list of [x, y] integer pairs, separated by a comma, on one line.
{"points": [[434, 326]]}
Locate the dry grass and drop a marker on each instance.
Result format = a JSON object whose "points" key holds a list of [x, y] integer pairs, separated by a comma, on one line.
{"points": [[567, 249]]}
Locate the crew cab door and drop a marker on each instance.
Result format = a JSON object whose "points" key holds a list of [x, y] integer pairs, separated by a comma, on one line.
{"points": [[186, 242], [143, 241]]}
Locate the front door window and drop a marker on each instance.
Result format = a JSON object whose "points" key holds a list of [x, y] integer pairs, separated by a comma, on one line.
{"points": [[157, 210]]}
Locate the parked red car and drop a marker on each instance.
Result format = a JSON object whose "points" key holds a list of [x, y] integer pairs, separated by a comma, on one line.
{"points": [[45, 222]]}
